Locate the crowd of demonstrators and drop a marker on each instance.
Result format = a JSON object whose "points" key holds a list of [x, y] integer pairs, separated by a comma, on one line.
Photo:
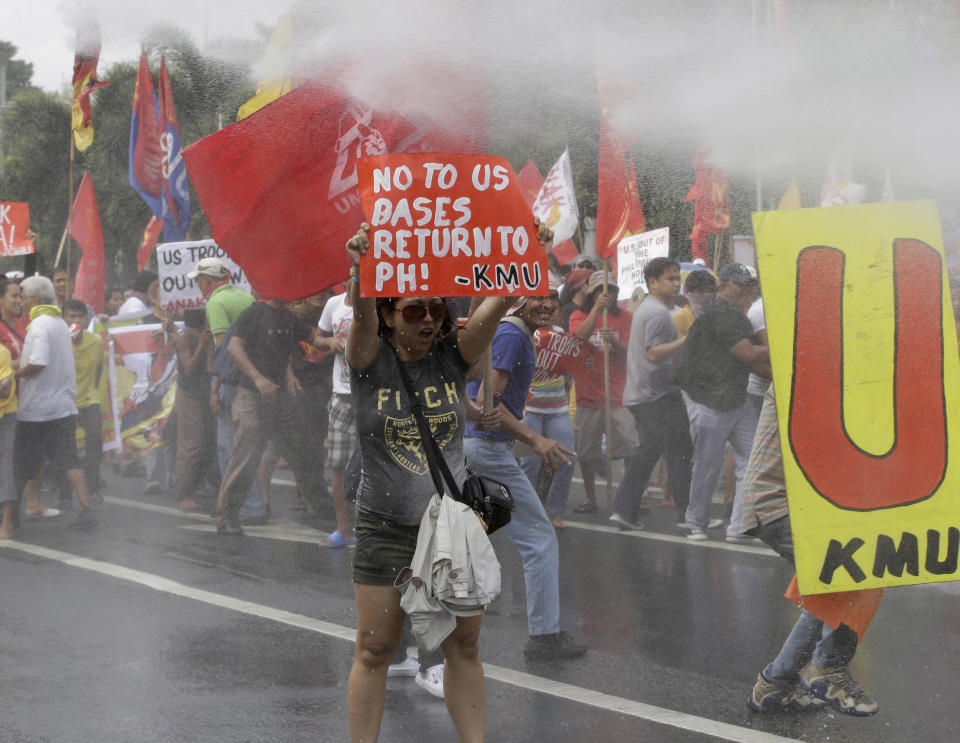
{"points": [[601, 322]]}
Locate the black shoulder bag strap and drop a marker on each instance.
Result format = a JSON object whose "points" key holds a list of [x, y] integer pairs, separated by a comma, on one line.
{"points": [[434, 458]]}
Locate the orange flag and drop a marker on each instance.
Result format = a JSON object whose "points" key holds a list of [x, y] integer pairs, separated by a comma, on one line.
{"points": [[90, 281]]}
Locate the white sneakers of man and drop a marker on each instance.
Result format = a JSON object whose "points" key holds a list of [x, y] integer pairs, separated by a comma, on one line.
{"points": [[431, 680], [699, 534]]}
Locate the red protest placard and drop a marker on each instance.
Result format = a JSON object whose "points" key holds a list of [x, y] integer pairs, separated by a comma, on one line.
{"points": [[447, 225], [14, 227]]}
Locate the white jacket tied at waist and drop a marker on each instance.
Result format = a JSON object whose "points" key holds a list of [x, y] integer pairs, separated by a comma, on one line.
{"points": [[454, 573]]}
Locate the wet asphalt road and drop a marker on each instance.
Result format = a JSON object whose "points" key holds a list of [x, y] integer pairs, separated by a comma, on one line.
{"points": [[152, 628]]}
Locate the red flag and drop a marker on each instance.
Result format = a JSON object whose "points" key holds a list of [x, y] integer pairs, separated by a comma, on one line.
{"points": [[279, 188], [90, 282], [530, 181], [150, 235], [710, 212], [85, 81], [619, 212]]}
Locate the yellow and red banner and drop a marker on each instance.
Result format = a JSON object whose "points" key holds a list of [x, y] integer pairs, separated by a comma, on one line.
{"points": [[444, 224], [864, 354]]}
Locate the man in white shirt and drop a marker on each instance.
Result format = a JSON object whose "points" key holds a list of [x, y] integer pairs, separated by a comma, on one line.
{"points": [[47, 413]]}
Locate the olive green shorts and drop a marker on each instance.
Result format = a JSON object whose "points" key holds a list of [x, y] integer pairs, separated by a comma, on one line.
{"points": [[384, 548]]}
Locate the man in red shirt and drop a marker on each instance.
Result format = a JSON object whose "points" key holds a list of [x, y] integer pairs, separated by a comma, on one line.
{"points": [[587, 325]]}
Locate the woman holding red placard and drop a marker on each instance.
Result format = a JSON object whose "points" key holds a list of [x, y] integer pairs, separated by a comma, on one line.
{"points": [[397, 486]]}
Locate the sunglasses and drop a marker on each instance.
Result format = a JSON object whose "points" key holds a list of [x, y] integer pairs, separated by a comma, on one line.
{"points": [[416, 312]]}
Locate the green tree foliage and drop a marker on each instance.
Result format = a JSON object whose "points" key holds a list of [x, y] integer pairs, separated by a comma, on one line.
{"points": [[18, 72]]}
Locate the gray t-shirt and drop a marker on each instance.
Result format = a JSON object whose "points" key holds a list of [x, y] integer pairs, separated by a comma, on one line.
{"points": [[396, 480], [646, 381]]}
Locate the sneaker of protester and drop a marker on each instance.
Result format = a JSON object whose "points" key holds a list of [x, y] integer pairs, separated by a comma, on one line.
{"points": [[557, 646], [84, 520], [409, 666], [624, 524], [431, 680], [696, 533], [767, 696], [715, 523], [839, 689], [741, 539], [229, 528]]}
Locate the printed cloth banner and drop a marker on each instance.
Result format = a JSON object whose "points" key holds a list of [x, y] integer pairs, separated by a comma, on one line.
{"points": [[561, 353], [858, 316], [176, 260], [556, 204], [634, 253], [14, 228], [446, 224]]}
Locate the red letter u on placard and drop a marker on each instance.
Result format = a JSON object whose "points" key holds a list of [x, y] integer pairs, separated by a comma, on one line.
{"points": [[835, 466]]}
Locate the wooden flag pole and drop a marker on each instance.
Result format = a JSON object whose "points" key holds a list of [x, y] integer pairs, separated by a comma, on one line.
{"points": [[606, 393]]}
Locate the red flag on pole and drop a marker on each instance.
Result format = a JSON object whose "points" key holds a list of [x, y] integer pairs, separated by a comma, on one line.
{"points": [[530, 181], [710, 212], [619, 211], [279, 188], [90, 282], [150, 235]]}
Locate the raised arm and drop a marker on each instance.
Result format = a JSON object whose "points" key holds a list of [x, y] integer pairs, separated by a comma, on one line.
{"points": [[362, 343]]}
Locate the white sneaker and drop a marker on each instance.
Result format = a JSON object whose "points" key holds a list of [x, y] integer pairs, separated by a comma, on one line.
{"points": [[696, 533], [623, 524], [431, 680], [742, 539], [409, 666], [715, 523]]}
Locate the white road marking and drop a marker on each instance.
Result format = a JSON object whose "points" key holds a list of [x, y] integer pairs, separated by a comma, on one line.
{"points": [[570, 692]]}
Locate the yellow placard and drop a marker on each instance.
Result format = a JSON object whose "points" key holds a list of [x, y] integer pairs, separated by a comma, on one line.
{"points": [[865, 365]]}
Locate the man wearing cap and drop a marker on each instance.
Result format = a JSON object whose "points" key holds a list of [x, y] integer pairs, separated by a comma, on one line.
{"points": [[587, 325], [574, 294], [224, 301], [717, 358]]}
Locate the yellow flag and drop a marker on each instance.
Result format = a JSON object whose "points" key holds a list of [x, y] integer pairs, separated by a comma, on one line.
{"points": [[272, 88], [791, 197]]}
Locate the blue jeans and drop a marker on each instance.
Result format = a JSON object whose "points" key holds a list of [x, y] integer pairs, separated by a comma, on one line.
{"points": [[711, 430], [810, 640], [559, 427], [529, 529]]}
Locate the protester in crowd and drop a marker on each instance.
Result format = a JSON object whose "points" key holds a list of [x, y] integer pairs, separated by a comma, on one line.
{"points": [[224, 301], [757, 384], [313, 368], [59, 278], [547, 412], [13, 327], [88, 355], [196, 434], [335, 323], [113, 301], [653, 397], [812, 667], [574, 294], [224, 304], [144, 294], [490, 453], [717, 358], [587, 325], [47, 414], [700, 289], [9, 496], [395, 491], [265, 337]]}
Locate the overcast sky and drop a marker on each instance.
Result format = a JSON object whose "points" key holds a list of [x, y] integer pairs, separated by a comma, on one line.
{"points": [[42, 33]]}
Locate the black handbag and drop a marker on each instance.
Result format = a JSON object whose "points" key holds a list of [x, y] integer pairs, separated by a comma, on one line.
{"points": [[489, 499]]}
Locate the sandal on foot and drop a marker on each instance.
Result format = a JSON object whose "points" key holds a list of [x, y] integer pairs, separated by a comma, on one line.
{"points": [[586, 508], [336, 539]]}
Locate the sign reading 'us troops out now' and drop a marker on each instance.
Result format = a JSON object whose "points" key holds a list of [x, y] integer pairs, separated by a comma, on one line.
{"points": [[865, 367]]}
